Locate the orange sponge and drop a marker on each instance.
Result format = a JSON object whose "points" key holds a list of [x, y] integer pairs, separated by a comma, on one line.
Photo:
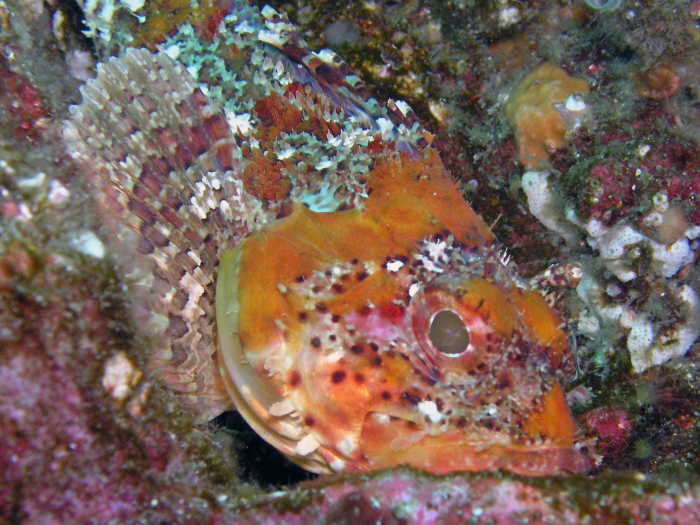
{"points": [[531, 111]]}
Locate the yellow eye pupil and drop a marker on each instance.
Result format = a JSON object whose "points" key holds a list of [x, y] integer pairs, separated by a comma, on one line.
{"points": [[448, 333]]}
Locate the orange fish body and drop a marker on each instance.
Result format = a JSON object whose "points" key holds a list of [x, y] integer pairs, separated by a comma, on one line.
{"points": [[363, 321]]}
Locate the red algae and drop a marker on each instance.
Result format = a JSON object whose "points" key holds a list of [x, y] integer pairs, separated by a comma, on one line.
{"points": [[612, 428]]}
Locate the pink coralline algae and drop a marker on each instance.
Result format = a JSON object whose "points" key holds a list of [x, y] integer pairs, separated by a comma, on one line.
{"points": [[402, 499], [66, 454], [25, 111], [611, 190], [614, 185], [612, 427]]}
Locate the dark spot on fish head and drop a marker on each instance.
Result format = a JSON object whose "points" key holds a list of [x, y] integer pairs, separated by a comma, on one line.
{"points": [[411, 398], [364, 310], [338, 376], [357, 349], [294, 378], [504, 380]]}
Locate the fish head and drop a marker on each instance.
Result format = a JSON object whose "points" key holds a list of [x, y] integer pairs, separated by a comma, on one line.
{"points": [[435, 357]]}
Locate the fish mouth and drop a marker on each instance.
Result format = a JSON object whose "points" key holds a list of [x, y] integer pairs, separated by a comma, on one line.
{"points": [[544, 443], [389, 441]]}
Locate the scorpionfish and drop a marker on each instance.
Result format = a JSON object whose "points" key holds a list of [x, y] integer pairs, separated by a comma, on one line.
{"points": [[298, 251]]}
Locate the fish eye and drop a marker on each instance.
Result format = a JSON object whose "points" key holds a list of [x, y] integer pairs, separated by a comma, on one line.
{"points": [[448, 333]]}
